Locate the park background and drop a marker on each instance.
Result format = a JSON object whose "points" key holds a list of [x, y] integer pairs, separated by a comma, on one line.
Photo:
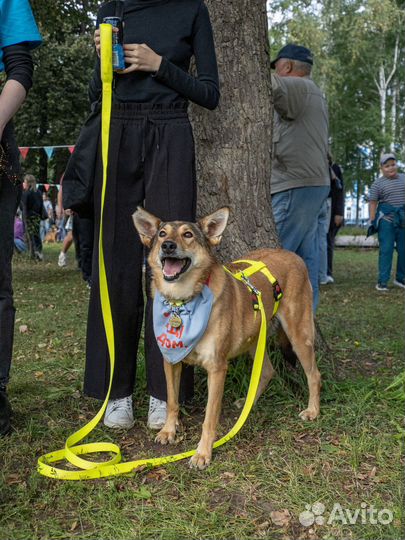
{"points": [[259, 484]]}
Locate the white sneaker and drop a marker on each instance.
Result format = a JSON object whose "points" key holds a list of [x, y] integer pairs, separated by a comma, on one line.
{"points": [[157, 413], [119, 413], [62, 259], [329, 279], [399, 283]]}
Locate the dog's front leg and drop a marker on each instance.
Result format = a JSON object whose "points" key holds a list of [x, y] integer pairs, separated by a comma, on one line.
{"points": [[216, 381], [168, 432]]}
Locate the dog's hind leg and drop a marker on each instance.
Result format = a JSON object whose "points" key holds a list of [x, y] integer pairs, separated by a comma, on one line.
{"points": [[168, 432], [216, 381], [298, 324]]}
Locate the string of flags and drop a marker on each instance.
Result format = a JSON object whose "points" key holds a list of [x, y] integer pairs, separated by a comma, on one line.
{"points": [[49, 150]]}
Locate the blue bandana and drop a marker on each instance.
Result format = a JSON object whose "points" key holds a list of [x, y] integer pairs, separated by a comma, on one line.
{"points": [[189, 322]]}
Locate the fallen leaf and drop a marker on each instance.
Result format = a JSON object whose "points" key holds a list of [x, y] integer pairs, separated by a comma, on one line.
{"points": [[23, 328], [74, 525], [263, 525], [227, 476], [156, 475], [38, 374], [280, 517], [13, 479]]}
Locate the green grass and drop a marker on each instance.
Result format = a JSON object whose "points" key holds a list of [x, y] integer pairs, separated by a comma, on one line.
{"points": [[351, 455], [355, 230]]}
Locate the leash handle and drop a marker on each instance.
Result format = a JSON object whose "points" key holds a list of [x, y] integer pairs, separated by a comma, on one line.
{"points": [[72, 451]]}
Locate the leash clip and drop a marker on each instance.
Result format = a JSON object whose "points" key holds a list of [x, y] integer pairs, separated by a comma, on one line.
{"points": [[249, 284]]}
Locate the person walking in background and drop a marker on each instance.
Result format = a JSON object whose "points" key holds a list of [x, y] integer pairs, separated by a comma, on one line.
{"points": [[387, 216], [68, 239], [151, 164], [49, 220], [33, 213], [337, 196], [18, 34], [300, 180]]}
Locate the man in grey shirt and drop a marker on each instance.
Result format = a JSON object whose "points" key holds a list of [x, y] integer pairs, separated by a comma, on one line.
{"points": [[300, 179]]}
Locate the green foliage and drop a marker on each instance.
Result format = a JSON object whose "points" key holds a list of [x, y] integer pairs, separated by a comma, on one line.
{"points": [[352, 41], [57, 103]]}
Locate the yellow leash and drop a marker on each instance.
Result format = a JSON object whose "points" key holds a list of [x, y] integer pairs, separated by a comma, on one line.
{"points": [[73, 451]]}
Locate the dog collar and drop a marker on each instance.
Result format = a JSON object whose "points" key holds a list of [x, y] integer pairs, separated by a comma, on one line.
{"points": [[179, 326]]}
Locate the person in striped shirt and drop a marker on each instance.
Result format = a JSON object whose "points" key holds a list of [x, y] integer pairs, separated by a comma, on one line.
{"points": [[387, 214]]}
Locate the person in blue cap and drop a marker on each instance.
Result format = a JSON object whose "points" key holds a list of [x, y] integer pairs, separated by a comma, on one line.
{"points": [[387, 217], [18, 34], [300, 180]]}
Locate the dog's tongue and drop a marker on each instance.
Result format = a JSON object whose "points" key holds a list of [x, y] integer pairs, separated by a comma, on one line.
{"points": [[172, 266]]}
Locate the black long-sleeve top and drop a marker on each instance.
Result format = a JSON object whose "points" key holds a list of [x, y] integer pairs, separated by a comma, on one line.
{"points": [[176, 30], [18, 64], [31, 203]]}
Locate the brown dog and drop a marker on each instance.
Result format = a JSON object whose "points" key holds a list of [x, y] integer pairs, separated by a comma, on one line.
{"points": [[182, 262], [50, 237]]}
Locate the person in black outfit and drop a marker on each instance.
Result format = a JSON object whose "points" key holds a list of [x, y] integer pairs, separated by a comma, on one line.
{"points": [[33, 211], [15, 60], [152, 164], [337, 194]]}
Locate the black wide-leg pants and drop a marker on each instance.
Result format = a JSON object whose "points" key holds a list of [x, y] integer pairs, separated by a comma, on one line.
{"points": [[151, 164]]}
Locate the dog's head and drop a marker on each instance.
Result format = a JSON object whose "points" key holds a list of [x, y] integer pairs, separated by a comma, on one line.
{"points": [[180, 252]]}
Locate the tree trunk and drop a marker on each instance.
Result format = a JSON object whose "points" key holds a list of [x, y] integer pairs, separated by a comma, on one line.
{"points": [[234, 142]]}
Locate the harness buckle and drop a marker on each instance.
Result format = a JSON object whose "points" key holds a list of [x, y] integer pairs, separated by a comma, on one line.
{"points": [[277, 292]]}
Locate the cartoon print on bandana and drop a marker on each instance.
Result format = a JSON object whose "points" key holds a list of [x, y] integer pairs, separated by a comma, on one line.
{"points": [[176, 343]]}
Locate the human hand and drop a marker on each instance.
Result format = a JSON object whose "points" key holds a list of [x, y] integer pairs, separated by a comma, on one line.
{"points": [[338, 221], [96, 39], [140, 57]]}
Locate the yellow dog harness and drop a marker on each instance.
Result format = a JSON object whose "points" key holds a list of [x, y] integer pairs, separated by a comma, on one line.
{"points": [[73, 451]]}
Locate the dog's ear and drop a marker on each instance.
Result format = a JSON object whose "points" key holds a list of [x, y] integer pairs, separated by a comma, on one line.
{"points": [[214, 225], [146, 224]]}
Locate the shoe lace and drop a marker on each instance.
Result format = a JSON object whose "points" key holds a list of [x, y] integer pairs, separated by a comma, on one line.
{"points": [[156, 404], [121, 403]]}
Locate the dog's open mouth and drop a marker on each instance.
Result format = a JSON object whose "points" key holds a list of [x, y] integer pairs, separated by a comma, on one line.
{"points": [[173, 268]]}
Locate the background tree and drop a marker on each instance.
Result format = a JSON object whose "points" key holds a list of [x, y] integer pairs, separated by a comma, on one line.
{"points": [[57, 103], [356, 44], [234, 142]]}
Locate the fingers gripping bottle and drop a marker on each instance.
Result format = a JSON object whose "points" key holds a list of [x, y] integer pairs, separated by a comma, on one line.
{"points": [[118, 39]]}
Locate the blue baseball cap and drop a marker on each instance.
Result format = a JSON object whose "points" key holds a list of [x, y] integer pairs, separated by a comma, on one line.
{"points": [[386, 157], [294, 52]]}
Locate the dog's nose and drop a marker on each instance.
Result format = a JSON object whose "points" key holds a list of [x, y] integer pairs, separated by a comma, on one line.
{"points": [[169, 247]]}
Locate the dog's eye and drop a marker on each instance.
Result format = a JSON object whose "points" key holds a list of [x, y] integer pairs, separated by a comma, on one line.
{"points": [[162, 234], [188, 234]]}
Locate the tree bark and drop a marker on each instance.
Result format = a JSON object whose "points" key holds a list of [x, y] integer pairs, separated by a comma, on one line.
{"points": [[233, 143]]}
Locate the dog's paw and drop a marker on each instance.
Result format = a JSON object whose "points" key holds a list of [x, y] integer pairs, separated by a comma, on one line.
{"points": [[165, 437], [199, 461], [309, 414]]}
